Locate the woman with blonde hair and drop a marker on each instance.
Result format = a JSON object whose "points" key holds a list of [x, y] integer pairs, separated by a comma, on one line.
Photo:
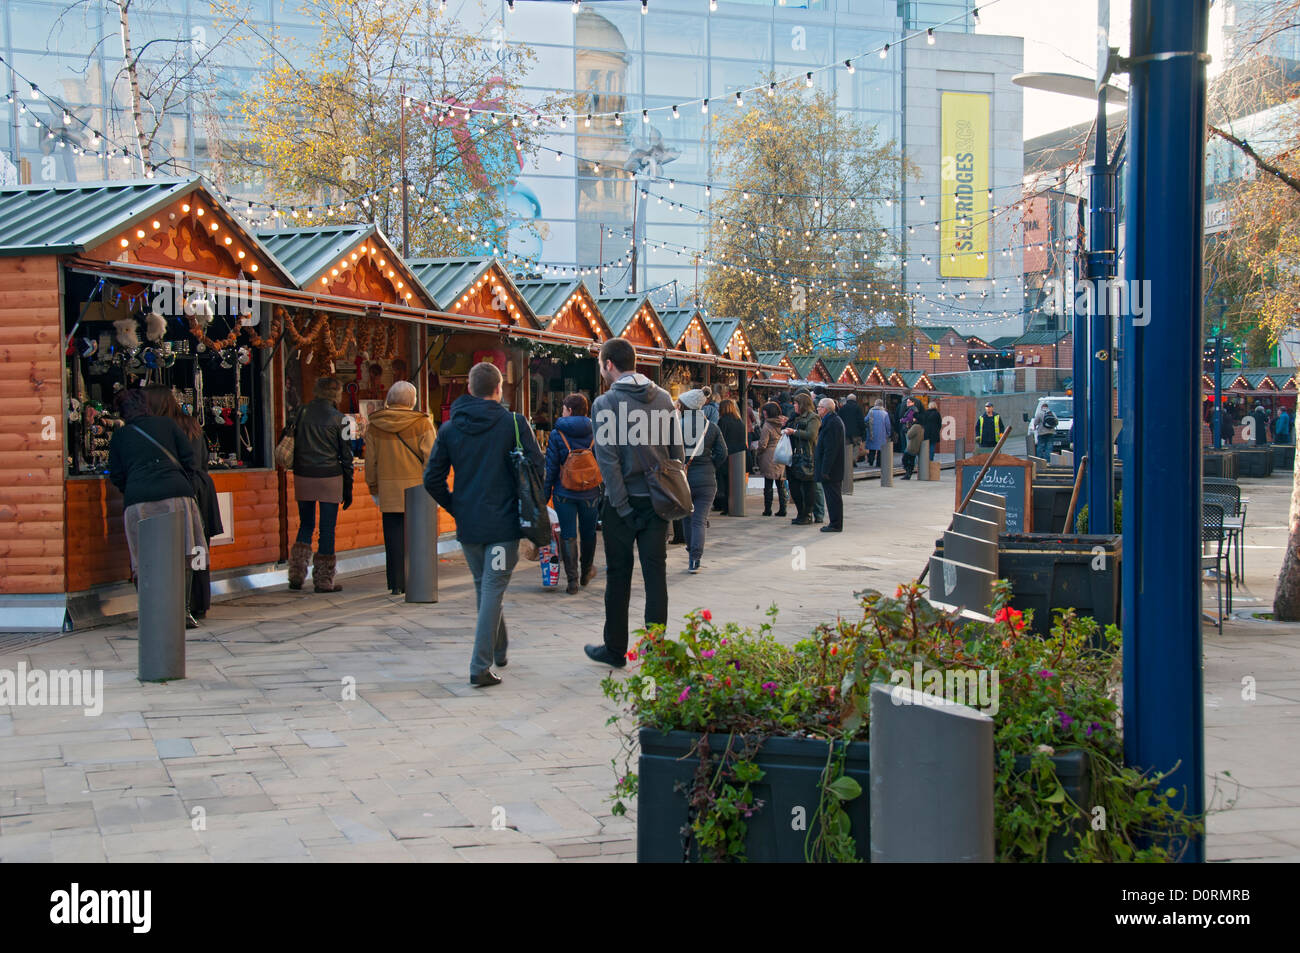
{"points": [[398, 441]]}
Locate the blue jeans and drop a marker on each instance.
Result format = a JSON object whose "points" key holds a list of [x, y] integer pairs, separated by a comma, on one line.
{"points": [[329, 517], [491, 565], [577, 517], [693, 525], [819, 503]]}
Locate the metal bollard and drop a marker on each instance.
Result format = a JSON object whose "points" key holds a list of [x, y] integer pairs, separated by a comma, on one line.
{"points": [[161, 560], [737, 484], [849, 450], [887, 465], [931, 778], [421, 545], [923, 462], [959, 448]]}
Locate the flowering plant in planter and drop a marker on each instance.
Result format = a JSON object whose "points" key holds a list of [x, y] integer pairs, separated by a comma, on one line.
{"points": [[1046, 695]]}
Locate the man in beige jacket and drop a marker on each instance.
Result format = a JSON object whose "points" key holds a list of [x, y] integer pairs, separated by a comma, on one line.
{"points": [[398, 441]]}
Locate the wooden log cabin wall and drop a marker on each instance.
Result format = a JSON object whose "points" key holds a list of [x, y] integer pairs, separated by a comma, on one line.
{"points": [[76, 259]]}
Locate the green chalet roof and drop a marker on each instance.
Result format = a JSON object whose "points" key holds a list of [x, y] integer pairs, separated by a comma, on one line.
{"points": [[1004, 342], [619, 310], [677, 320], [937, 334], [547, 295], [309, 252], [834, 365], [864, 368], [1040, 338], [910, 377], [803, 364], [770, 358], [71, 219], [721, 330], [448, 278]]}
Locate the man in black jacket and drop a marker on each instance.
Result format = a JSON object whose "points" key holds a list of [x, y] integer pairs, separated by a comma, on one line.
{"points": [[932, 423], [476, 443], [637, 428], [828, 464], [855, 425]]}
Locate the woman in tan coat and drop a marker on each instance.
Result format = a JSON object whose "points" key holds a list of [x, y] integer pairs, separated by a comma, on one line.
{"points": [[772, 471], [398, 441]]}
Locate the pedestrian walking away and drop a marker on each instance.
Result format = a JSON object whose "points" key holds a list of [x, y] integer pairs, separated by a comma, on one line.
{"points": [[637, 430], [1045, 424], [773, 472], [477, 442], [855, 426], [1282, 426], [399, 439], [706, 452], [573, 484], [802, 431], [322, 477], [829, 464], [988, 427], [879, 432]]}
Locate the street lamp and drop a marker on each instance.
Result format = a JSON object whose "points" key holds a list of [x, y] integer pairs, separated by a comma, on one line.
{"points": [[1093, 344]]}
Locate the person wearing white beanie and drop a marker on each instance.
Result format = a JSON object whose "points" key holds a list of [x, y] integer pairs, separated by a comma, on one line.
{"points": [[705, 452]]}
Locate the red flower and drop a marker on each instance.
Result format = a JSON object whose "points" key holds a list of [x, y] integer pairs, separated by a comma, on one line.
{"points": [[706, 615], [631, 655], [727, 681], [835, 650]]}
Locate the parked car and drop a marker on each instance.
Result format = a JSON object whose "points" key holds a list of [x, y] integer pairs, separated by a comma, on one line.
{"points": [[1062, 409]]}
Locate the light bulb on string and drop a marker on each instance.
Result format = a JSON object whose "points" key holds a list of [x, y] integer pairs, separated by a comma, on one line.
{"points": [[929, 36]]}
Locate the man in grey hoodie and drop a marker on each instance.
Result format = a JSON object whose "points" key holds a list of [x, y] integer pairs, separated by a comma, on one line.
{"points": [[636, 429]]}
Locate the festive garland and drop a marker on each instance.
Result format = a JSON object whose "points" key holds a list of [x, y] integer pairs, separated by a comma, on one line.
{"points": [[325, 337]]}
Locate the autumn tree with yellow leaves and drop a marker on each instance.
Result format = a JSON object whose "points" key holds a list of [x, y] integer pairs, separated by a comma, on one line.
{"points": [[324, 125], [796, 249]]}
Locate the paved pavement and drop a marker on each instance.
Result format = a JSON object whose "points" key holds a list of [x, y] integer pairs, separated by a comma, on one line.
{"points": [[340, 727]]}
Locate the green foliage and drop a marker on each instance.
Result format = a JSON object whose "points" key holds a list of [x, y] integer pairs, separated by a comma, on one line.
{"points": [[1081, 519], [1053, 694]]}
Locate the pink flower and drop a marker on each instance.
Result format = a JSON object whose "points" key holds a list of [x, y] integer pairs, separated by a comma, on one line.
{"points": [[682, 697], [769, 687], [708, 653]]}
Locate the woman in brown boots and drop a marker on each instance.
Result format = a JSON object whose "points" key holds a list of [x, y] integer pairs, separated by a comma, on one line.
{"points": [[398, 441], [773, 472], [322, 474]]}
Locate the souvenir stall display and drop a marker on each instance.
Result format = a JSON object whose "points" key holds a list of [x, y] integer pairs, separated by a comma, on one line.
{"points": [[120, 337]]}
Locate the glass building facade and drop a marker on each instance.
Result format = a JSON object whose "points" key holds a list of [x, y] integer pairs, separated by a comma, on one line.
{"points": [[609, 56]]}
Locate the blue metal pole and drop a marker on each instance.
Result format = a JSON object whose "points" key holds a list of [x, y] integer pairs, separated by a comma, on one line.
{"points": [[1102, 240], [1079, 368], [1163, 717]]}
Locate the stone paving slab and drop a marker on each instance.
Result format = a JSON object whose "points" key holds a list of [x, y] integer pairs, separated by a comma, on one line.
{"points": [[263, 752]]}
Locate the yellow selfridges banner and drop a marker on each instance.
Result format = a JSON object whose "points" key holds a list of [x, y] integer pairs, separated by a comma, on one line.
{"points": [[964, 232]]}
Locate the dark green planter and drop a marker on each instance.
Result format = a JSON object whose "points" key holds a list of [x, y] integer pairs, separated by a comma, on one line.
{"points": [[1219, 463], [1283, 456], [792, 779], [793, 769], [1074, 770], [1056, 571], [1254, 462]]}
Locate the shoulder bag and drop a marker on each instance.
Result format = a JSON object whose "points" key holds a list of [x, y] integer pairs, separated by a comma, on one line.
{"points": [[283, 454], [534, 520], [670, 492], [202, 488]]}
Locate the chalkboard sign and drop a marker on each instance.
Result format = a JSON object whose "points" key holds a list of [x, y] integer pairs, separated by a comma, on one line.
{"points": [[1009, 477]]}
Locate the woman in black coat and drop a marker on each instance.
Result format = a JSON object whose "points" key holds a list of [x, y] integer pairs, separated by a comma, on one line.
{"points": [[733, 434], [162, 403], [705, 451], [151, 461], [322, 475]]}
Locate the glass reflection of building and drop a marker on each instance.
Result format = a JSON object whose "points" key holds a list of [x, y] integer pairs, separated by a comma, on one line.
{"points": [[610, 55]]}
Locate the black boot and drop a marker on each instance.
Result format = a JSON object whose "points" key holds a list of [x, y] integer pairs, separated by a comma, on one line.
{"points": [[780, 491], [569, 550], [587, 559], [679, 539], [767, 501]]}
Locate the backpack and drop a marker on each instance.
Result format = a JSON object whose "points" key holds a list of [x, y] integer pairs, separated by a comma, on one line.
{"points": [[1049, 420], [579, 471]]}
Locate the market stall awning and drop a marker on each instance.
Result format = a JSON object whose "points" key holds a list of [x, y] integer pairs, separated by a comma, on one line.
{"points": [[565, 306], [810, 368], [348, 261], [482, 287]]}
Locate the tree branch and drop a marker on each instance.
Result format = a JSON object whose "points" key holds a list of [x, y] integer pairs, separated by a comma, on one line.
{"points": [[1261, 163]]}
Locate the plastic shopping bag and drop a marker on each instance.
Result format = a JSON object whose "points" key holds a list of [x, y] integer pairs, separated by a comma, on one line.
{"points": [[784, 452]]}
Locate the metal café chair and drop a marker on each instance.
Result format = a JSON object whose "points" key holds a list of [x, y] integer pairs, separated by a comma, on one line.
{"points": [[1228, 493], [1212, 532]]}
